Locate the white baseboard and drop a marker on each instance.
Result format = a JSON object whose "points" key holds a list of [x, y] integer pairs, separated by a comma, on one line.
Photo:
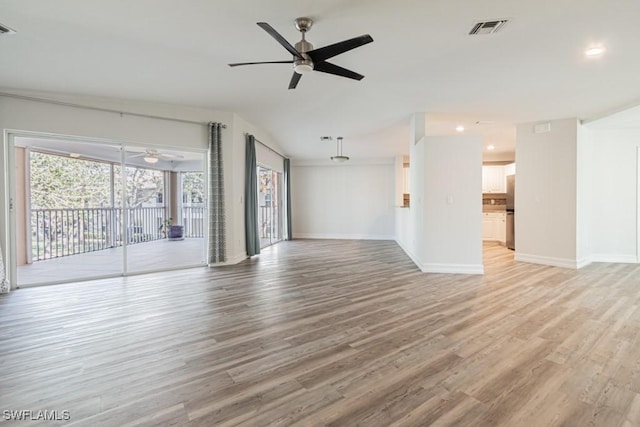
{"points": [[577, 264], [583, 262], [410, 254], [616, 259], [544, 260], [453, 268], [342, 236], [442, 268]]}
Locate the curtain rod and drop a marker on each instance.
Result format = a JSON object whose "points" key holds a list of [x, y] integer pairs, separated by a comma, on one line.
{"points": [[269, 148], [104, 110]]}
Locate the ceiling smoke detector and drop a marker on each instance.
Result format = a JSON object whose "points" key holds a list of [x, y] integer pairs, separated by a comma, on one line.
{"points": [[488, 27], [6, 30]]}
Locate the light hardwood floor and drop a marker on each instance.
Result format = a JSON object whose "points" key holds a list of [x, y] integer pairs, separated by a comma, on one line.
{"points": [[339, 333]]}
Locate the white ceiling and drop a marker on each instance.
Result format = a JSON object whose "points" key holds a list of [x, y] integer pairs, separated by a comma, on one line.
{"points": [[422, 59], [179, 160]]}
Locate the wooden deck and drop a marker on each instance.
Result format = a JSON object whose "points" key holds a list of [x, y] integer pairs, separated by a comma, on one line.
{"points": [[142, 257], [340, 333]]}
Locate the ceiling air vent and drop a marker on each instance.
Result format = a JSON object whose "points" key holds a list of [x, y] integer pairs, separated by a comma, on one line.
{"points": [[6, 30], [488, 27]]}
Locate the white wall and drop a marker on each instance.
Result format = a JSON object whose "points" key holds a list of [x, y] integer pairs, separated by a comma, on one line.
{"points": [[442, 230], [453, 204], [546, 194], [17, 115], [348, 201], [398, 166], [409, 226], [413, 243], [585, 196], [613, 168]]}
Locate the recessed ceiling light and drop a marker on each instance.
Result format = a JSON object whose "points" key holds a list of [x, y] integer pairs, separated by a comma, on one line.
{"points": [[491, 147], [74, 155], [459, 128], [594, 51]]}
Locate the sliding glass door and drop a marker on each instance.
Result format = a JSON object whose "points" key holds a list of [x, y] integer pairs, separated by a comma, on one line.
{"points": [[89, 210], [164, 225], [270, 214], [68, 225]]}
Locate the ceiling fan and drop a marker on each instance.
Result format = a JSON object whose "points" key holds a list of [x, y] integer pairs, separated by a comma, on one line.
{"points": [[152, 156], [306, 58]]}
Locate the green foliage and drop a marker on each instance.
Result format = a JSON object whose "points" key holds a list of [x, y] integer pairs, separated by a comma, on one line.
{"points": [[59, 182], [63, 182], [193, 187], [143, 186]]}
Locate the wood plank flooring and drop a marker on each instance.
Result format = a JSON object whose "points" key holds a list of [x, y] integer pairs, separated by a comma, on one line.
{"points": [[339, 333]]}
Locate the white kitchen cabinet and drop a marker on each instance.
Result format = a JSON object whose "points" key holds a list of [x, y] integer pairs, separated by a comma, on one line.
{"points": [[488, 227], [509, 169], [501, 228], [493, 179], [494, 226]]}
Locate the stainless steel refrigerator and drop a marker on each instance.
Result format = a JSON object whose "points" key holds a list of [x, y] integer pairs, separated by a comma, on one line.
{"points": [[511, 211]]}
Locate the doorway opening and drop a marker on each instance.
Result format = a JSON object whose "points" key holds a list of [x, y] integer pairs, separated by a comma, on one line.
{"points": [[498, 209]]}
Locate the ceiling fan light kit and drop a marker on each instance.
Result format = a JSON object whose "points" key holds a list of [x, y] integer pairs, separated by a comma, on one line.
{"points": [[153, 156], [306, 58], [150, 159]]}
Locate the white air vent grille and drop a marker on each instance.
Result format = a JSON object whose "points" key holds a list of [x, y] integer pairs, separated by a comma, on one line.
{"points": [[488, 27], [542, 127], [6, 30]]}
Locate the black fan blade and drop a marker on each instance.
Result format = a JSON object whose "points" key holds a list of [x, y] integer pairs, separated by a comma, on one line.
{"points": [[294, 80], [276, 35], [332, 50], [264, 62], [329, 68]]}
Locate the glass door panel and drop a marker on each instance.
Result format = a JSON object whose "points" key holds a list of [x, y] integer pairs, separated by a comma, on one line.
{"points": [[165, 228], [67, 223], [269, 206]]}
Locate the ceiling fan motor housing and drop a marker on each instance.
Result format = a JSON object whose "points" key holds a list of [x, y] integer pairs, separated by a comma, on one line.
{"points": [[306, 64]]}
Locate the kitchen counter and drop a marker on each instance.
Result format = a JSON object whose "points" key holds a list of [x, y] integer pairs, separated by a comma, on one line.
{"points": [[494, 208]]}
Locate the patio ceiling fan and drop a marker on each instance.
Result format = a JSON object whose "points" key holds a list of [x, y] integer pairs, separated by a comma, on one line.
{"points": [[306, 58], [152, 156]]}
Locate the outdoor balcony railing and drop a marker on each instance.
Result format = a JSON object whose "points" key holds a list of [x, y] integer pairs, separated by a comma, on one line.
{"points": [[193, 219], [63, 232]]}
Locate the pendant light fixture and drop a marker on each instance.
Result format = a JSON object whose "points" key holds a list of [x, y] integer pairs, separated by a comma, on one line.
{"points": [[339, 158]]}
